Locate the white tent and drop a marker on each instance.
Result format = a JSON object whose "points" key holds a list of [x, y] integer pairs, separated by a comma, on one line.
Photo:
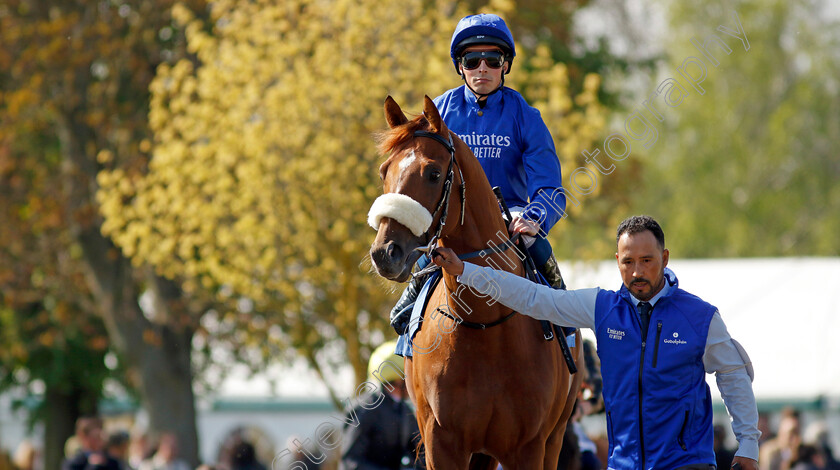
{"points": [[784, 311]]}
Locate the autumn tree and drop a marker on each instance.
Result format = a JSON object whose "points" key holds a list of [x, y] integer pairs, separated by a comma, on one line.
{"points": [[74, 79], [264, 165], [747, 164], [51, 345], [555, 25]]}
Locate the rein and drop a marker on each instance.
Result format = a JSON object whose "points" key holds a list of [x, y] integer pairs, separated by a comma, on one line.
{"points": [[500, 248]]}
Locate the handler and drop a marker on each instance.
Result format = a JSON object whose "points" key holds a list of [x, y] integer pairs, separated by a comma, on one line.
{"points": [[655, 342], [509, 138]]}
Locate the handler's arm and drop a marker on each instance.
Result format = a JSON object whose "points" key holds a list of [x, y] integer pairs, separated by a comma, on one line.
{"points": [[733, 372], [565, 307]]}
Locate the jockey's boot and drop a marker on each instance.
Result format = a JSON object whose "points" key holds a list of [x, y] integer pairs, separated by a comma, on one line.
{"points": [[401, 313], [551, 271]]}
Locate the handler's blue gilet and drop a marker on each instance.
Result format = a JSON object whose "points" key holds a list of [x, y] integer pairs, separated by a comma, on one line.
{"points": [[514, 147], [659, 408]]}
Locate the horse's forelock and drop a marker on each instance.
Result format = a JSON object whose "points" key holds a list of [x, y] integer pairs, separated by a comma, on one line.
{"points": [[390, 139]]}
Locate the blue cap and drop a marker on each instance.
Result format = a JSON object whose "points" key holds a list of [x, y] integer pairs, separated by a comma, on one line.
{"points": [[481, 29]]}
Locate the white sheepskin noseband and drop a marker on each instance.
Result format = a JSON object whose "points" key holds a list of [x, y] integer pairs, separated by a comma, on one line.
{"points": [[403, 209]]}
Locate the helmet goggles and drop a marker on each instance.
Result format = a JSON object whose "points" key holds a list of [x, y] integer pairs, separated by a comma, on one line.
{"points": [[472, 60]]}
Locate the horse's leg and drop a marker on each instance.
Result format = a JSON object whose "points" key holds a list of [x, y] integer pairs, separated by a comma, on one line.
{"points": [[527, 457], [439, 453], [569, 458], [443, 453], [556, 437], [408, 365], [482, 462], [554, 445]]}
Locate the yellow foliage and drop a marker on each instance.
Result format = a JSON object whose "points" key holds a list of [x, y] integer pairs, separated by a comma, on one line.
{"points": [[263, 163]]}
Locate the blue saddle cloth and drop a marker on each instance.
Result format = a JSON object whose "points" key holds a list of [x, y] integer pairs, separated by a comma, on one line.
{"points": [[404, 342]]}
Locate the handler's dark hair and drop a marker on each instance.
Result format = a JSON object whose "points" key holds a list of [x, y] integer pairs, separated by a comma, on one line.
{"points": [[640, 223]]}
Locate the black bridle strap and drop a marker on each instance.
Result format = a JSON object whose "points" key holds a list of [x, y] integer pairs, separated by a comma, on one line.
{"points": [[474, 325], [433, 135], [501, 247], [447, 185]]}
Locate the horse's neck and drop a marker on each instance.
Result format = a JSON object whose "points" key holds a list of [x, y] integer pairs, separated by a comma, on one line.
{"points": [[483, 225], [477, 233], [483, 228]]}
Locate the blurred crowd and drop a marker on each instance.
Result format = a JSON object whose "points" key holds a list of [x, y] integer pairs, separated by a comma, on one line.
{"points": [[787, 445], [92, 448]]}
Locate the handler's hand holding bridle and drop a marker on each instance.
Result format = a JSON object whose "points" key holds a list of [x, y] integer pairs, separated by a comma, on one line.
{"points": [[448, 260]]}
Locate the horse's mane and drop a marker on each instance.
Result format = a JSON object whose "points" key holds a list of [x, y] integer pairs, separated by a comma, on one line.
{"points": [[390, 139]]}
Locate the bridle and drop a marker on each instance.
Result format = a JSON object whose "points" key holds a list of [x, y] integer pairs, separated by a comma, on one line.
{"points": [[443, 204]]}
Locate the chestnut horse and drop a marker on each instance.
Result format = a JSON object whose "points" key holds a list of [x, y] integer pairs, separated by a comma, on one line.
{"points": [[488, 386]]}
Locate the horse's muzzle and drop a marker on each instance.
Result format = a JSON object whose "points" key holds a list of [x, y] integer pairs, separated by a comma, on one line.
{"points": [[392, 261]]}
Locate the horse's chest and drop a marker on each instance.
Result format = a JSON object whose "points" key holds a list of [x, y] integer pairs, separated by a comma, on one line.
{"points": [[459, 391]]}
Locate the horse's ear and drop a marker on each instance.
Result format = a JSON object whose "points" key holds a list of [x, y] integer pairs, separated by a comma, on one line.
{"points": [[432, 115], [393, 113]]}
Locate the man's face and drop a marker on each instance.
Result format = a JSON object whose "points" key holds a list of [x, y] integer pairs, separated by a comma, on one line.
{"points": [[483, 79], [641, 262], [94, 439]]}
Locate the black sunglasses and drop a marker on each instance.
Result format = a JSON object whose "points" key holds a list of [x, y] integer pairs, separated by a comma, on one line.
{"points": [[471, 60]]}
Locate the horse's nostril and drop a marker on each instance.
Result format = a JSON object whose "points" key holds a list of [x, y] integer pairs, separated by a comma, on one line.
{"points": [[394, 251]]}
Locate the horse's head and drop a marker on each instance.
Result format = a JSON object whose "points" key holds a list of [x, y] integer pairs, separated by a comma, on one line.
{"points": [[407, 216]]}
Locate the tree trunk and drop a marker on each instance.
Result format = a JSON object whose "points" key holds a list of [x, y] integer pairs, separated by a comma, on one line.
{"points": [[157, 354], [61, 409], [166, 382]]}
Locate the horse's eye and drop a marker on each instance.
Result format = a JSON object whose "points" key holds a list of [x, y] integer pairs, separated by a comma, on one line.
{"points": [[434, 176]]}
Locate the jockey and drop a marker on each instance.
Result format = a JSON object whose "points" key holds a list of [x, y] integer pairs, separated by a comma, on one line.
{"points": [[508, 137]]}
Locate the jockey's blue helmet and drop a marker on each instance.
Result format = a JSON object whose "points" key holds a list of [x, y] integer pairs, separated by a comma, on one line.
{"points": [[482, 29]]}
